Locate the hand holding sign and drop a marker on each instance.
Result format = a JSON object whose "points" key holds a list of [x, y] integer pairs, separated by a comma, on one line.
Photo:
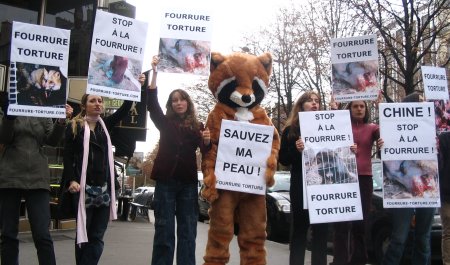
{"points": [[299, 144], [206, 136], [155, 62]]}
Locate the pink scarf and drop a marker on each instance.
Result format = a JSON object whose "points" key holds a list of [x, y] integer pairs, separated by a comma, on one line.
{"points": [[81, 217]]}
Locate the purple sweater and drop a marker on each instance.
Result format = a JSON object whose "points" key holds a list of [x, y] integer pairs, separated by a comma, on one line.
{"points": [[364, 135]]}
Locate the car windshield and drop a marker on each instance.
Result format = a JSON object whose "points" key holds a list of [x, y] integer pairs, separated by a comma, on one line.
{"points": [[377, 175], [138, 190], [282, 182]]}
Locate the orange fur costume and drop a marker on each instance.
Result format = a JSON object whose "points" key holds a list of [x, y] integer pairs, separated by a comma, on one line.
{"points": [[239, 82]]}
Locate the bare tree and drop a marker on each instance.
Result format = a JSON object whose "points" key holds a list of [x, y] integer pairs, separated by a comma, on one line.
{"points": [[299, 41], [412, 34], [202, 97]]}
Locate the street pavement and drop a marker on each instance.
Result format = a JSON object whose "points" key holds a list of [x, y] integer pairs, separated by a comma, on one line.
{"points": [[131, 243]]}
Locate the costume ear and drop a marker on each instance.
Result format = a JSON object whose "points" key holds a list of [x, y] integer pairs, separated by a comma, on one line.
{"points": [[216, 59], [266, 61]]}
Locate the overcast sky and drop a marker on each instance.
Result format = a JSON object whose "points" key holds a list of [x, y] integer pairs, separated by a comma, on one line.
{"points": [[231, 20]]}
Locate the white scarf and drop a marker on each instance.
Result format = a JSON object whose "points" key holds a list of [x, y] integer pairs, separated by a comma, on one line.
{"points": [[81, 217]]}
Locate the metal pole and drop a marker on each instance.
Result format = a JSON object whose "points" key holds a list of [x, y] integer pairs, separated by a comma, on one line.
{"points": [[42, 12]]}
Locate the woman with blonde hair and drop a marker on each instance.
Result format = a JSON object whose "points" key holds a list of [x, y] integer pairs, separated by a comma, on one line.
{"points": [[89, 173]]}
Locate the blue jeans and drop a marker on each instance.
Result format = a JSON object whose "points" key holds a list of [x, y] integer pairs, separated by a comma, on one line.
{"points": [[96, 223], [38, 208], [401, 219], [175, 199]]}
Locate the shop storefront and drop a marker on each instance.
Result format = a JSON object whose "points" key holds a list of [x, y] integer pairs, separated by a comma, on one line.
{"points": [[78, 16]]}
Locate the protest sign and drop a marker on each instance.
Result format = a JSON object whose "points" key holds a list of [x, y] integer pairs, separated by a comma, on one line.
{"points": [[434, 83], [185, 41], [242, 156], [38, 71], [354, 68], [330, 177], [409, 155], [116, 57], [330, 129]]}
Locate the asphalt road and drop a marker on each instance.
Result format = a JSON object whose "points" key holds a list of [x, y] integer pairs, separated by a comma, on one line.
{"points": [[131, 243]]}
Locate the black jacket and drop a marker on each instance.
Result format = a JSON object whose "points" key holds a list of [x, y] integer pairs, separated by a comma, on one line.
{"points": [[290, 156], [444, 166], [97, 169]]}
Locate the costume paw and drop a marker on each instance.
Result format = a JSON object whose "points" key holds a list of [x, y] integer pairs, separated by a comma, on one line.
{"points": [[210, 194], [270, 171]]}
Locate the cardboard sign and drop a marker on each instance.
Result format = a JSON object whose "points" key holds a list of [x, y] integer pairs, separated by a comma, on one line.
{"points": [[354, 68], [38, 71], [242, 156], [117, 52], [409, 155]]}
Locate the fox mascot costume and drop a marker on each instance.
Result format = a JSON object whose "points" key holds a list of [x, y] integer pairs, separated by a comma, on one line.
{"points": [[239, 82]]}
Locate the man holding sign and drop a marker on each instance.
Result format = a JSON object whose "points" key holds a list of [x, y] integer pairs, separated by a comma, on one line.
{"points": [[410, 174]]}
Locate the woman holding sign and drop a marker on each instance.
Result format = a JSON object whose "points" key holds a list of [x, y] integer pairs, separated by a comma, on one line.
{"points": [[349, 245], [175, 172], [89, 174], [290, 155], [401, 224], [25, 175]]}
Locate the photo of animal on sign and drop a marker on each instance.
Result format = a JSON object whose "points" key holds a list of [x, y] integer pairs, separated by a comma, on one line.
{"points": [[38, 71], [241, 156], [405, 179], [184, 56], [354, 72], [116, 59], [409, 155], [185, 41], [114, 71], [40, 85]]}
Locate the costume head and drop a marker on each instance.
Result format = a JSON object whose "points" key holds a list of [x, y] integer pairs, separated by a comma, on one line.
{"points": [[240, 80]]}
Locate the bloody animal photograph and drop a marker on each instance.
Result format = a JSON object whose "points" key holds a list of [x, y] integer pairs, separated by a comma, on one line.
{"points": [[114, 71], [40, 85], [184, 56], [410, 179], [442, 115], [354, 77], [330, 166]]}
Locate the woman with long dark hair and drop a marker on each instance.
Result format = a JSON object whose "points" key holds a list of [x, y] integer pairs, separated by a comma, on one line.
{"points": [[175, 172]]}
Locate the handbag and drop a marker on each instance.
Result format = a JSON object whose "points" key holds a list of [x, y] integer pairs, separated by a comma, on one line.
{"points": [[97, 196]]}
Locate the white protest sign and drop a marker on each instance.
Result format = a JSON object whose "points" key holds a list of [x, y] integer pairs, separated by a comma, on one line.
{"points": [[334, 203], [117, 52], [434, 82], [408, 131], [38, 69], [354, 63], [328, 173], [185, 41], [330, 129], [242, 155], [410, 168]]}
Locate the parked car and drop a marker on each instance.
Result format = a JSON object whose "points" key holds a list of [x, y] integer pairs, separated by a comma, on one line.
{"points": [[142, 190], [277, 204]]}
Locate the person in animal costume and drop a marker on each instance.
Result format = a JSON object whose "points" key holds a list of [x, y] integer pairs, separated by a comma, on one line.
{"points": [[239, 82]]}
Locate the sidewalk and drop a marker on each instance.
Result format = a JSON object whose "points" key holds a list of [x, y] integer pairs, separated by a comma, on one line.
{"points": [[131, 243]]}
